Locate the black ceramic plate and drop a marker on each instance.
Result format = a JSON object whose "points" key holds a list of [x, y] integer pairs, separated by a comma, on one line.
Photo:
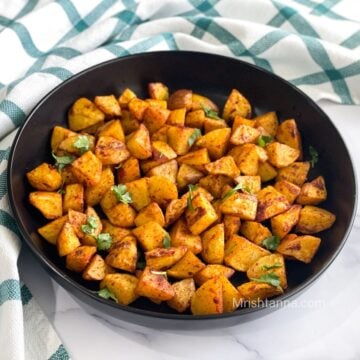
{"points": [[213, 76]]}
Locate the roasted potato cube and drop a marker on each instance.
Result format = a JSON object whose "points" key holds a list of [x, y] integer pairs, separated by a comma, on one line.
{"points": [[302, 248], [154, 118], [281, 155], [93, 129], [123, 286], [177, 117], [201, 216], [140, 193], [84, 114], [182, 236], [288, 189], [179, 138], [216, 142], [168, 170], [180, 99], [77, 219], [232, 225], [196, 158], [111, 151], [187, 175], [150, 235], [161, 259], [213, 242], [95, 270], [282, 224], [58, 135], [288, 134], [314, 219], [93, 194], [211, 271], [129, 123], [48, 203], [212, 124], [215, 184], [161, 153], [161, 104], [295, 173], [270, 203], [128, 171], [122, 215], [78, 259], [152, 212], [67, 175], [109, 200], [174, 210], [269, 122], [236, 105], [113, 129], [67, 240], [137, 108], [255, 232], [123, 254], [45, 178], [77, 144], [244, 134], [224, 166], [158, 91], [126, 96], [153, 284], [108, 105], [51, 230], [87, 169], [195, 119], [73, 198], [199, 190], [186, 267], [117, 233], [262, 154], [241, 205], [313, 192], [253, 292], [273, 264], [162, 190], [88, 239], [184, 291], [231, 296], [241, 253], [139, 143], [266, 171], [250, 183], [246, 158], [208, 298], [201, 102], [238, 120]]}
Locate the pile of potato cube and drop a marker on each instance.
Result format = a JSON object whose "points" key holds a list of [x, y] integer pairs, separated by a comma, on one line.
{"points": [[167, 198]]}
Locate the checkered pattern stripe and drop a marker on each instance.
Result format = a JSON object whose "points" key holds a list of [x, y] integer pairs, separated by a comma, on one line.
{"points": [[315, 44]]}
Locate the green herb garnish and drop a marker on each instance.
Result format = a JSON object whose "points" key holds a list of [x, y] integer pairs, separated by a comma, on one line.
{"points": [[210, 113], [163, 273], [82, 143], [271, 267], [190, 196], [271, 243], [61, 191], [270, 279], [263, 140], [314, 156], [90, 226], [103, 241], [118, 166], [107, 294], [62, 161], [235, 189], [196, 134], [167, 241], [121, 193]]}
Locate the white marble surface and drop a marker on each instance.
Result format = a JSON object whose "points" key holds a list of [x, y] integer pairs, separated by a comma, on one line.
{"points": [[325, 327]]}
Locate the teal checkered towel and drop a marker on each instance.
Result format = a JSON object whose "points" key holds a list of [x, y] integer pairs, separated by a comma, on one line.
{"points": [[315, 44]]}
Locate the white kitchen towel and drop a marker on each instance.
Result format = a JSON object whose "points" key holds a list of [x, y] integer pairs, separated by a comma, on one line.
{"points": [[315, 44]]}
